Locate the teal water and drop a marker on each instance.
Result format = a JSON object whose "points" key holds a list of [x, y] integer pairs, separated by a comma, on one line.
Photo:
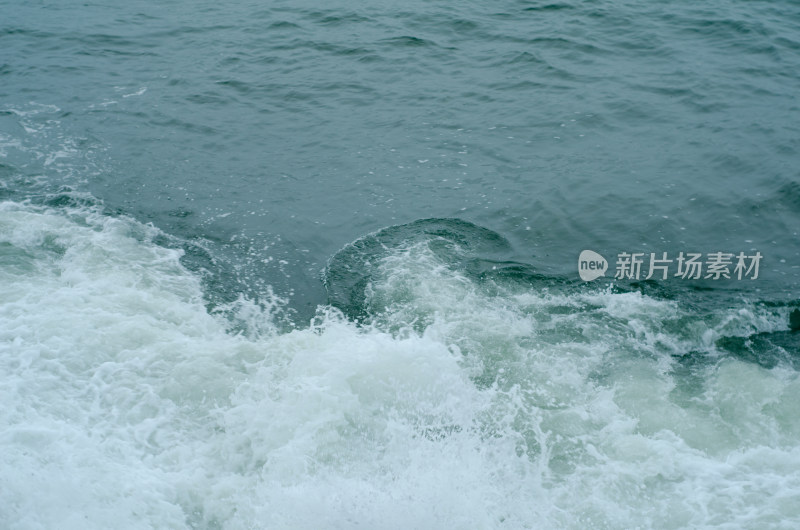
{"points": [[284, 265]]}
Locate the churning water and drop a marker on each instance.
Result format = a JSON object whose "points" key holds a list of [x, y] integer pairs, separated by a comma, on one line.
{"points": [[296, 266]]}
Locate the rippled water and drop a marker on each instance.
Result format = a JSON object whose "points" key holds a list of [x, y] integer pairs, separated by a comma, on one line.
{"points": [[275, 265]]}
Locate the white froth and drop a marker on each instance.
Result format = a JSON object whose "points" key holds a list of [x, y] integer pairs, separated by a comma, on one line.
{"points": [[126, 405]]}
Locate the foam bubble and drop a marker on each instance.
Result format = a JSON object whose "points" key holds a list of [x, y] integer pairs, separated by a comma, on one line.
{"points": [[463, 404]]}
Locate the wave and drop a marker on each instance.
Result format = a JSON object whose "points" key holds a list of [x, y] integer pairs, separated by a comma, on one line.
{"points": [[432, 392]]}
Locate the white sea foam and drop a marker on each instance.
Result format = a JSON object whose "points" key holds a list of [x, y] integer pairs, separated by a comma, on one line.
{"points": [[127, 405]]}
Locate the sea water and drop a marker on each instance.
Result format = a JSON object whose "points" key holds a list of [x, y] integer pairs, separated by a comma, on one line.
{"points": [[286, 265]]}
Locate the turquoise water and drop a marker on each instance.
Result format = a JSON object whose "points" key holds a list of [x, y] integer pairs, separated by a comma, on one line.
{"points": [[284, 265]]}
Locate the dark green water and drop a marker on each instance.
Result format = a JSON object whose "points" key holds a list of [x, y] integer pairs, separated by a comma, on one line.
{"points": [[187, 185]]}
